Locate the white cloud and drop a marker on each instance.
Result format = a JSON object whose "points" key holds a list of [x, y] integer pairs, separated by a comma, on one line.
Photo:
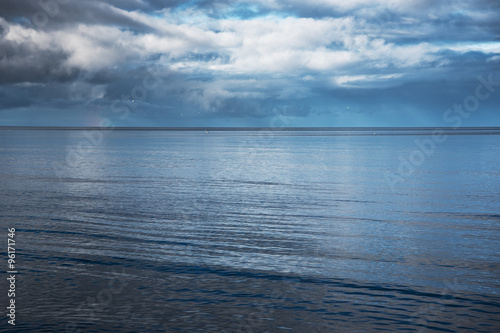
{"points": [[489, 47], [286, 46], [357, 80]]}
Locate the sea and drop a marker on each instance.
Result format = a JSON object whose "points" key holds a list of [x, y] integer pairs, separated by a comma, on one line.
{"points": [[250, 230]]}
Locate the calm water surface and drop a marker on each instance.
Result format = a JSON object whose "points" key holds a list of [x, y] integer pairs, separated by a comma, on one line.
{"points": [[127, 231]]}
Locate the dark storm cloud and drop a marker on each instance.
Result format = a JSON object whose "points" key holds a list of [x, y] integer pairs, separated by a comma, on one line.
{"points": [[50, 14], [26, 63]]}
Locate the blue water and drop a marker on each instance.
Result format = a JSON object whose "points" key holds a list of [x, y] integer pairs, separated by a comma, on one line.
{"points": [[161, 231]]}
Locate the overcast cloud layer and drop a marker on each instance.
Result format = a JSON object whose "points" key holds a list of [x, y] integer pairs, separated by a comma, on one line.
{"points": [[247, 63]]}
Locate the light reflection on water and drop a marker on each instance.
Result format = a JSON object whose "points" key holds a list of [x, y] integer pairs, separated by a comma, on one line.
{"points": [[253, 232]]}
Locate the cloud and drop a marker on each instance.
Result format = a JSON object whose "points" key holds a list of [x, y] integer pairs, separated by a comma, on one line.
{"points": [[250, 58], [26, 57]]}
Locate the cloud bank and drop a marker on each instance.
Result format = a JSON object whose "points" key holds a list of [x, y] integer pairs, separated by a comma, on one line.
{"points": [[241, 63]]}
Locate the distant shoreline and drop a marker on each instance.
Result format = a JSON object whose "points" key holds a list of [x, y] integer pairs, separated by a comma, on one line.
{"points": [[249, 129]]}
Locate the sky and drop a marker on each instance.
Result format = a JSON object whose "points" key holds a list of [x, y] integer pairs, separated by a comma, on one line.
{"points": [[264, 63]]}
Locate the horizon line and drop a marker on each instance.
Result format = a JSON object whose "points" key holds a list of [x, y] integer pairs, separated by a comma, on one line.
{"points": [[241, 128]]}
